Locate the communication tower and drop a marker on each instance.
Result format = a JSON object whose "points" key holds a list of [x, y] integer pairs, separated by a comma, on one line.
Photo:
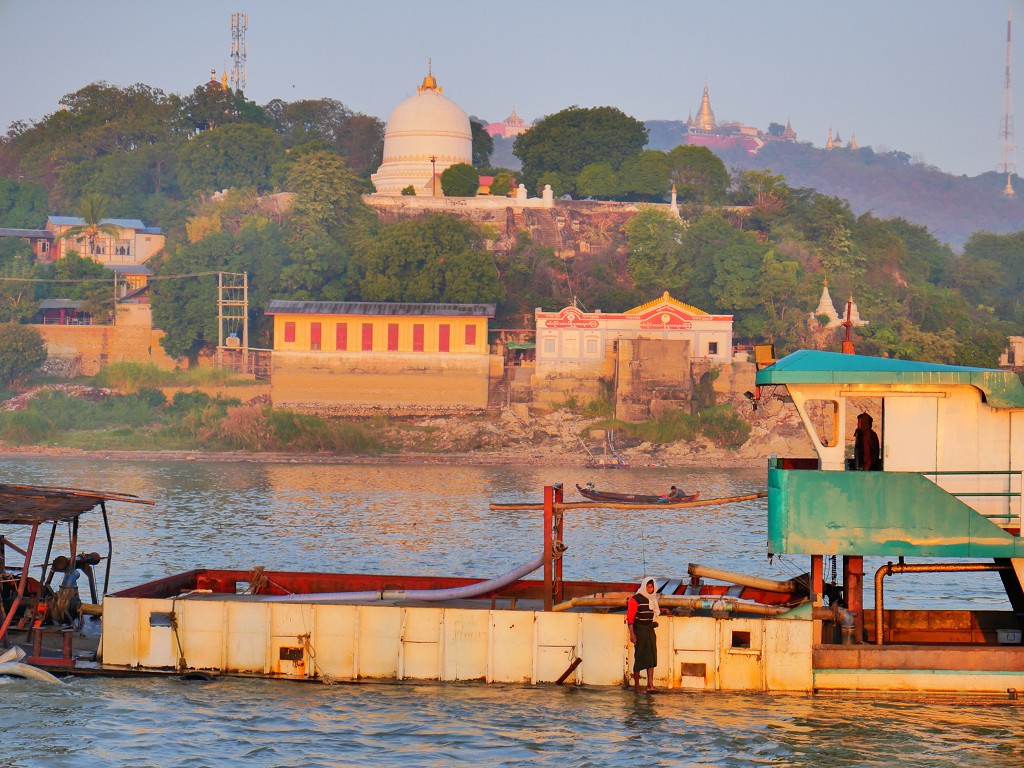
{"points": [[239, 24], [1009, 149]]}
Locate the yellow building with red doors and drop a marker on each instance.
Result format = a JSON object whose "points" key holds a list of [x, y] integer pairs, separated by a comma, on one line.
{"points": [[352, 355]]}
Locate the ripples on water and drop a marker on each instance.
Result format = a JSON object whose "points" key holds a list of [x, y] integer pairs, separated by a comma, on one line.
{"points": [[434, 520]]}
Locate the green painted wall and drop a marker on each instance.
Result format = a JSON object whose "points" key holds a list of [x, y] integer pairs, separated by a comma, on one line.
{"points": [[876, 513]]}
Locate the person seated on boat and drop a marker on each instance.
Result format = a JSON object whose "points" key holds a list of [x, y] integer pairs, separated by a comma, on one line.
{"points": [[867, 453], [673, 495], [641, 612]]}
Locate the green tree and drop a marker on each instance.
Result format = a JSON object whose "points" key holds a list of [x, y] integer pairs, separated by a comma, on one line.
{"points": [[210, 106], [501, 186], [568, 141], [18, 300], [597, 180], [436, 259], [93, 209], [483, 145], [644, 177], [97, 293], [327, 216], [22, 351], [23, 205], [699, 175], [657, 257], [241, 155], [460, 180]]}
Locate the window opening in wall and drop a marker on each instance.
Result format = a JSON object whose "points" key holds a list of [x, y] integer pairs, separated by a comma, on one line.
{"points": [[824, 417], [740, 639], [712, 348]]}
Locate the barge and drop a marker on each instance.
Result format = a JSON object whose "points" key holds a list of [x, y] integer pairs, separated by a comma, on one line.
{"points": [[948, 495]]}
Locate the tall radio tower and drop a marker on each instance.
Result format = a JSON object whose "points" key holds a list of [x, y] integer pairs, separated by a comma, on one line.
{"points": [[1009, 163], [239, 24]]}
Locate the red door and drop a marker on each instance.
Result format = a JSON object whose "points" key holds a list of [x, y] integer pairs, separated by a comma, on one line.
{"points": [[392, 337], [444, 333], [417, 337], [367, 337], [314, 335]]}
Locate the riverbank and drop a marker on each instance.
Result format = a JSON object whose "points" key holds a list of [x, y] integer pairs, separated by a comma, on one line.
{"points": [[509, 438]]}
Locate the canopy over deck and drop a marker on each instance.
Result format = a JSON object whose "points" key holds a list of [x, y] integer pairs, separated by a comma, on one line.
{"points": [[1002, 389], [32, 504]]}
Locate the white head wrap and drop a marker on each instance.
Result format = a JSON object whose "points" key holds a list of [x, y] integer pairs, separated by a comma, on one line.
{"points": [[652, 597]]}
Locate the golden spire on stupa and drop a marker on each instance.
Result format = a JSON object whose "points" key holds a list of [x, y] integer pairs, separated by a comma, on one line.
{"points": [[429, 83], [705, 117]]}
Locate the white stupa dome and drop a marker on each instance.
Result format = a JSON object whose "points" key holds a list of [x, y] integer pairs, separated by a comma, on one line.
{"points": [[423, 126]]}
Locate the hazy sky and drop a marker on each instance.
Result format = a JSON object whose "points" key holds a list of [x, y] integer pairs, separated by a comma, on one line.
{"points": [[921, 76]]}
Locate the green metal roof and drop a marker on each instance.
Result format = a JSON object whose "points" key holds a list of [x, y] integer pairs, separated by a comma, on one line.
{"points": [[1002, 389]]}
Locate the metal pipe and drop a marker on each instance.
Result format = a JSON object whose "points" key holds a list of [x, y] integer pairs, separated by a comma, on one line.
{"points": [[22, 582], [889, 568], [768, 585], [716, 605], [430, 595]]}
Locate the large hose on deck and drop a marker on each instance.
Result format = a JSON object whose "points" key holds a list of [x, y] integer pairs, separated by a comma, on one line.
{"points": [[428, 595], [27, 671]]}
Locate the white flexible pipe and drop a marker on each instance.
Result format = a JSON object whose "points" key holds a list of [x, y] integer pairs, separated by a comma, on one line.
{"points": [[27, 671], [429, 595]]}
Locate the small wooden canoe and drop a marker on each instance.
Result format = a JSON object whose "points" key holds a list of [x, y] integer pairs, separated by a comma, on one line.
{"points": [[632, 498]]}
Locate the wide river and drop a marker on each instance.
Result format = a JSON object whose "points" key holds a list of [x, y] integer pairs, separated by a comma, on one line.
{"points": [[403, 519]]}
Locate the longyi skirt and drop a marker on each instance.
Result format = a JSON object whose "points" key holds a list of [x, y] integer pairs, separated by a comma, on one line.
{"points": [[645, 653]]}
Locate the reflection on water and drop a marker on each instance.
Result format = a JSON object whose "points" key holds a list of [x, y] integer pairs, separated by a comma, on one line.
{"points": [[435, 520]]}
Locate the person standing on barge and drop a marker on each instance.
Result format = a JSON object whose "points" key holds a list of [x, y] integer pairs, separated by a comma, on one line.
{"points": [[866, 450], [641, 612]]}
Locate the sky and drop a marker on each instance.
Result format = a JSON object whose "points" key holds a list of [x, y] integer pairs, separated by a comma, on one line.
{"points": [[925, 77]]}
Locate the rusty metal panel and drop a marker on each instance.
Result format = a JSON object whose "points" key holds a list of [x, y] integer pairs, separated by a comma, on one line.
{"points": [[511, 647], [121, 620], [201, 632], [378, 643], [420, 652], [334, 642], [245, 648], [787, 656], [602, 646], [465, 639], [740, 661]]}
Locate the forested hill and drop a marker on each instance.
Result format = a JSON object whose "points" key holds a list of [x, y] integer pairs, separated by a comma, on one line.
{"points": [[888, 184]]}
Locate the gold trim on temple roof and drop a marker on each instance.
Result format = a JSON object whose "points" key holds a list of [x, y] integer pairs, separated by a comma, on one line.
{"points": [[665, 298]]}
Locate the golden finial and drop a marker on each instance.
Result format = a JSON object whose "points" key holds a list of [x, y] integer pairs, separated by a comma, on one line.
{"points": [[429, 83]]}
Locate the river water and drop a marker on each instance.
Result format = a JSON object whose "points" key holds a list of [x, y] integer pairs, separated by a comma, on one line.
{"points": [[422, 520]]}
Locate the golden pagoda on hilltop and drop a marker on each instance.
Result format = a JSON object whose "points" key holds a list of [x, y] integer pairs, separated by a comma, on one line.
{"points": [[705, 117]]}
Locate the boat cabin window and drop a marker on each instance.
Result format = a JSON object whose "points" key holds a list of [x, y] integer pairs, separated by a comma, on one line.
{"points": [[824, 417]]}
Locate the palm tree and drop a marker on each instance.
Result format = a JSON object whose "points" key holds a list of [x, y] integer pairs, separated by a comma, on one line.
{"points": [[92, 209]]}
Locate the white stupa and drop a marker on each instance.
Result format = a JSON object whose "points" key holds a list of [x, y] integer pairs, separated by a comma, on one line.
{"points": [[427, 125]]}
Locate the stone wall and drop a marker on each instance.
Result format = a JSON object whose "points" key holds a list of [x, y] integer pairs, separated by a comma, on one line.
{"points": [[329, 383], [651, 370], [569, 227], [81, 350]]}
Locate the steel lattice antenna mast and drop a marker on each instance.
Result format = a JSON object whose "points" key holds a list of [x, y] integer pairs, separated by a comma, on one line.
{"points": [[239, 24], [1009, 163]]}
